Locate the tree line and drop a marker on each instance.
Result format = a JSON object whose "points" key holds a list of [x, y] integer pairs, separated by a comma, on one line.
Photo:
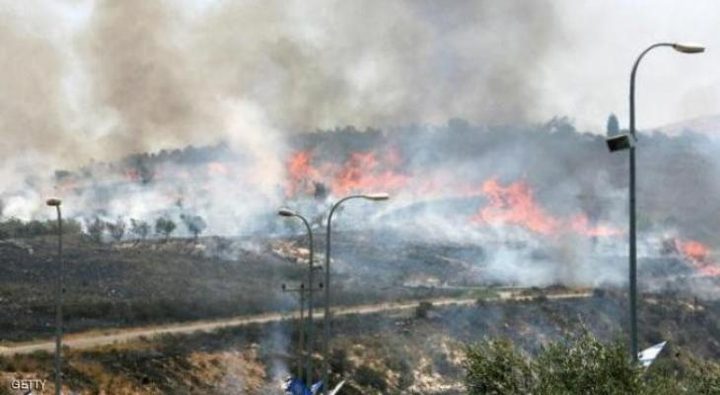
{"points": [[98, 229]]}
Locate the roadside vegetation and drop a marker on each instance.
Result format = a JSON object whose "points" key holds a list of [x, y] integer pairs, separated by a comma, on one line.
{"points": [[581, 364]]}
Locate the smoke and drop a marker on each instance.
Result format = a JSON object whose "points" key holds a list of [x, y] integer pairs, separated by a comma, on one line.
{"points": [[117, 78], [137, 76]]}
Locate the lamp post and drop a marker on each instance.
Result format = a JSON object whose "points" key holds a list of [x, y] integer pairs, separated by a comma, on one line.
{"points": [[54, 202], [326, 319], [284, 212], [626, 141], [301, 332]]}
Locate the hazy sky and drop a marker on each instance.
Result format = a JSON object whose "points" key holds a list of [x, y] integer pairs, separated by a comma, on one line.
{"points": [[587, 73], [87, 78]]}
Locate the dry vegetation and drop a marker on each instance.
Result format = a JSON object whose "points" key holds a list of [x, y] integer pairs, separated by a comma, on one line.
{"points": [[401, 353]]}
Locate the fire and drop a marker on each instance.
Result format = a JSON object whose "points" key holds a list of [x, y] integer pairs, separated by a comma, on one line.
{"points": [[361, 172], [698, 255], [514, 205], [580, 224], [301, 173]]}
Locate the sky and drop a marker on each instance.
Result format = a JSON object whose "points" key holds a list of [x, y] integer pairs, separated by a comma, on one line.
{"points": [[87, 79]]}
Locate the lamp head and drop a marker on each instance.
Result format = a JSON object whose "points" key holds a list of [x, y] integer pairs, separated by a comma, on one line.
{"points": [[688, 48], [620, 142], [54, 202], [286, 212], [377, 196]]}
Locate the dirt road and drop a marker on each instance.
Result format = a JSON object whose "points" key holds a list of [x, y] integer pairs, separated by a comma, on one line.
{"points": [[91, 339]]}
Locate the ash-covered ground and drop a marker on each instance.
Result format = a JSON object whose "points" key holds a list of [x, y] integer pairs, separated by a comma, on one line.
{"points": [[136, 283]]}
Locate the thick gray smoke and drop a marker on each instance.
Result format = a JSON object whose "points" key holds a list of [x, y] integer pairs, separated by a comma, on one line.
{"points": [[97, 80], [120, 77]]}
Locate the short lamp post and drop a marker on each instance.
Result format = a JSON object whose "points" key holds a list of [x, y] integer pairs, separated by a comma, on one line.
{"points": [[376, 197], [54, 202]]}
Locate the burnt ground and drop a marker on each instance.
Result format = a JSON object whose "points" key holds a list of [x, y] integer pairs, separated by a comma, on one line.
{"points": [[136, 283], [397, 353]]}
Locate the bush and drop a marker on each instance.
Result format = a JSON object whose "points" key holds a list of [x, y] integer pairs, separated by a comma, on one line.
{"points": [[585, 365], [195, 224], [496, 367], [95, 230], [15, 228], [139, 228], [116, 229], [579, 365], [369, 377], [422, 310]]}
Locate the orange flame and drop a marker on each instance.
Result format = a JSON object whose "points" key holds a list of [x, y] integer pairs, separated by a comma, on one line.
{"points": [[580, 224], [698, 255], [301, 173], [515, 205], [361, 172]]}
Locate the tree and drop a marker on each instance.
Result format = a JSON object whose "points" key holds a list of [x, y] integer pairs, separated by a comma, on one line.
{"points": [[116, 229], [423, 309], [584, 365], [139, 228], [613, 126], [95, 229], [195, 224], [496, 367], [580, 364], [164, 226]]}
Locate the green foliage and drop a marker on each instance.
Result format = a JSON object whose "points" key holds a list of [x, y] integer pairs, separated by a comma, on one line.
{"points": [[422, 310], [95, 230], [579, 365], [139, 228], [15, 228], [369, 377], [116, 229], [195, 224], [165, 227], [584, 365], [497, 367], [703, 377]]}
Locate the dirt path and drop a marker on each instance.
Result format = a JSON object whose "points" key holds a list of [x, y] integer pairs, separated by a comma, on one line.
{"points": [[91, 339]]}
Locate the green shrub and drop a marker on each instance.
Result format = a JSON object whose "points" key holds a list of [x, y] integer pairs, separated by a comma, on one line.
{"points": [[369, 377], [580, 365]]}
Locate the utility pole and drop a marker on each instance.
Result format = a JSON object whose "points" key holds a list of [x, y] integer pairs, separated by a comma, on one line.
{"points": [[301, 326], [54, 202]]}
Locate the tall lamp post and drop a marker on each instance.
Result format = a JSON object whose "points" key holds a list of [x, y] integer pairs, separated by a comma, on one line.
{"points": [[326, 319], [627, 141], [284, 212], [54, 202]]}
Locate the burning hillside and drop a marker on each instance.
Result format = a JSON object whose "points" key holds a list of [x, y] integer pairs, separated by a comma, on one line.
{"points": [[531, 217]]}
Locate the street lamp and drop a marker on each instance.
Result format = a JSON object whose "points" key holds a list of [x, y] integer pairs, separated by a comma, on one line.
{"points": [[627, 141], [285, 212], [55, 202], [326, 319], [301, 333]]}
